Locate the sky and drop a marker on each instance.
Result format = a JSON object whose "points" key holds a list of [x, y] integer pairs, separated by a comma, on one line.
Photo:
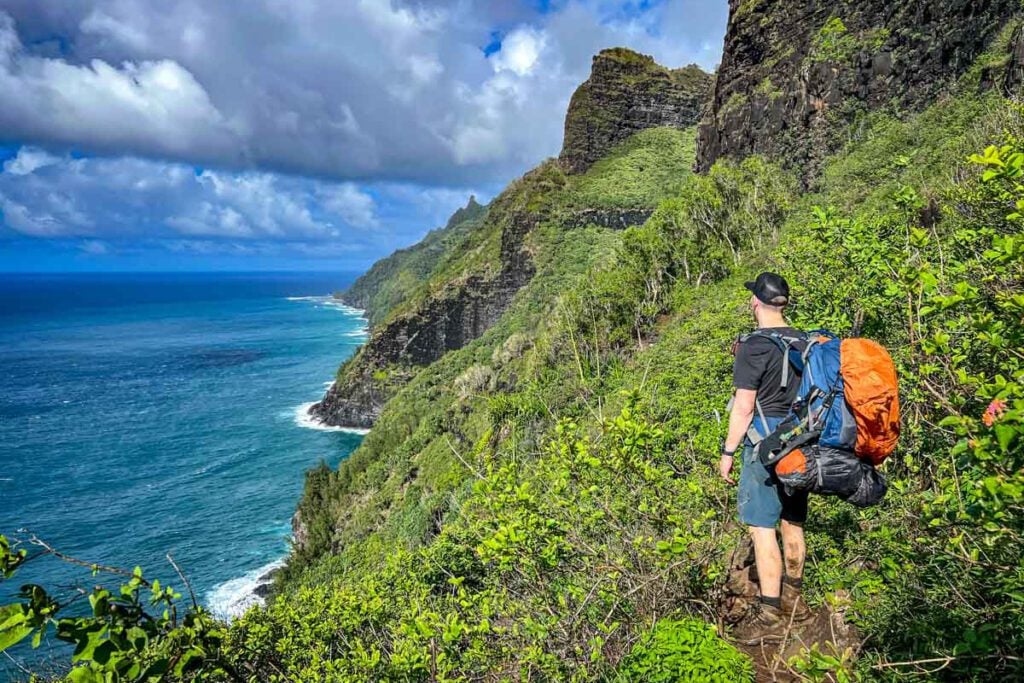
{"points": [[288, 134]]}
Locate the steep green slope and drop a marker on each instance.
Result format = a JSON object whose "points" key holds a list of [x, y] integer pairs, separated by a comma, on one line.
{"points": [[405, 466], [470, 287], [532, 503], [394, 278], [541, 502]]}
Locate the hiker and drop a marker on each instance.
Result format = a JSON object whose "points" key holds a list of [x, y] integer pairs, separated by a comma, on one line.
{"points": [[766, 386]]}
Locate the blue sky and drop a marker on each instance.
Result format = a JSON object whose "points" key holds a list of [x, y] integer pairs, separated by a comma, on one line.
{"points": [[287, 134]]}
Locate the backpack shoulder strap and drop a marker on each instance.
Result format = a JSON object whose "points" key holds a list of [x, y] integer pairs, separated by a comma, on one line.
{"points": [[753, 433], [785, 343]]}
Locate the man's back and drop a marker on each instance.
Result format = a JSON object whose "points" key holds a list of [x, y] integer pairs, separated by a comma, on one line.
{"points": [[758, 366]]}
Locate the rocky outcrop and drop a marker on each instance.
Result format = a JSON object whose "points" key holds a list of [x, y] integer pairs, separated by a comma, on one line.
{"points": [[628, 92], [358, 395], [462, 311], [1006, 72], [299, 533], [615, 219], [795, 73], [393, 279]]}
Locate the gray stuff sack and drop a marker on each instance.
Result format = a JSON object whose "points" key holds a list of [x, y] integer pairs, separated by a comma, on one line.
{"points": [[836, 472]]}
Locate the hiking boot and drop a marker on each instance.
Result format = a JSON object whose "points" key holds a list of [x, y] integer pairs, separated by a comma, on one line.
{"points": [[793, 604], [765, 623]]}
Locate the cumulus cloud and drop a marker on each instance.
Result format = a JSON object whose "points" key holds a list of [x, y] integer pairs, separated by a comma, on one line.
{"points": [[385, 90], [111, 205], [47, 196], [520, 51], [157, 106], [29, 159], [316, 128], [355, 206]]}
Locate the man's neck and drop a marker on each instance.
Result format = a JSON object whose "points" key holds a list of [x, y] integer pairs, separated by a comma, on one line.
{"points": [[773, 320]]}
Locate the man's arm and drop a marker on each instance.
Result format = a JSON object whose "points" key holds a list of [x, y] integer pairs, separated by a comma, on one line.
{"points": [[739, 421]]}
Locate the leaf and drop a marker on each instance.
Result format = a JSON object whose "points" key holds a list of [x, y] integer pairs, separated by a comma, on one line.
{"points": [[12, 636], [11, 615], [1004, 435]]}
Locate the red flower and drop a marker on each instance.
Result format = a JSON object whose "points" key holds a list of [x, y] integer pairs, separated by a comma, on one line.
{"points": [[994, 410]]}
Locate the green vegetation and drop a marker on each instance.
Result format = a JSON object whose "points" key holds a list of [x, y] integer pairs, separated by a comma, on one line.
{"points": [[923, 576], [768, 89], [684, 650], [124, 637], [648, 167], [735, 102], [836, 43], [391, 280], [541, 504]]}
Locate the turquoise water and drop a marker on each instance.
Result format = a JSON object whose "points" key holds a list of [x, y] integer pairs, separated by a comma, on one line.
{"points": [[142, 415]]}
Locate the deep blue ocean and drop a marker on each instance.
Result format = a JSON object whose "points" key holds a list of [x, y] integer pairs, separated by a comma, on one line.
{"points": [[142, 415]]}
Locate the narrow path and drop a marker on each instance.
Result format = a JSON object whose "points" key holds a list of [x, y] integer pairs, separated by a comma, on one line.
{"points": [[826, 627]]}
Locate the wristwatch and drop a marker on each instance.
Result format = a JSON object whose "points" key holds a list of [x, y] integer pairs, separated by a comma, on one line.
{"points": [[726, 451]]}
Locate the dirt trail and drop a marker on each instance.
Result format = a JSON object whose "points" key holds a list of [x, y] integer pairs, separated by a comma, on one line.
{"points": [[826, 627]]}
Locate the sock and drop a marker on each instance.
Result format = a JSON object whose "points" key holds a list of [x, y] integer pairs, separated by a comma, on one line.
{"points": [[774, 602], [795, 582]]}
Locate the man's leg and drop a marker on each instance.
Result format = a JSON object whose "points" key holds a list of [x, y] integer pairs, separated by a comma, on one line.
{"points": [[795, 549], [769, 562], [793, 604]]}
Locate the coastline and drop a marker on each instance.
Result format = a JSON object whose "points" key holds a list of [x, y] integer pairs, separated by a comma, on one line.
{"points": [[235, 597], [306, 419], [232, 598]]}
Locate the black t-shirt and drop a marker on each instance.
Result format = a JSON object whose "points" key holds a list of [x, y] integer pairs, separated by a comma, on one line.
{"points": [[758, 366]]}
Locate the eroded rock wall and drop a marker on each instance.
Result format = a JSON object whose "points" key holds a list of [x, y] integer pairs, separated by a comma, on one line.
{"points": [[796, 73], [458, 314], [628, 92]]}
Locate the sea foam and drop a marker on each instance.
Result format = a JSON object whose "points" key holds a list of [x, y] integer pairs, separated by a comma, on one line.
{"points": [[304, 418], [234, 597]]}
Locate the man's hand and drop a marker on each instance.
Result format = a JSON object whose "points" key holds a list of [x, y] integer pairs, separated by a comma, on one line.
{"points": [[725, 469]]}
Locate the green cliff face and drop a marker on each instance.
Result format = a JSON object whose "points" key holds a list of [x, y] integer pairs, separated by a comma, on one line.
{"points": [[393, 279], [628, 92], [624, 151]]}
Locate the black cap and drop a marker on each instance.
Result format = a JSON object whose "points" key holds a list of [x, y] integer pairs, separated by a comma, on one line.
{"points": [[770, 288]]}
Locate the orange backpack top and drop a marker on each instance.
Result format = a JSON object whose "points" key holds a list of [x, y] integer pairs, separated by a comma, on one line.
{"points": [[872, 395]]}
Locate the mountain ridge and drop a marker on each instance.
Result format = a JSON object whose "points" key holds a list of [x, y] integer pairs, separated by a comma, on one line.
{"points": [[440, 310]]}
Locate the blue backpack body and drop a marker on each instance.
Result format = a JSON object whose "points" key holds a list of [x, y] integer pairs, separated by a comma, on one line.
{"points": [[822, 393]]}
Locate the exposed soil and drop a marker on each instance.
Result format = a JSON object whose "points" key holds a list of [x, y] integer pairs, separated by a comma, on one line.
{"points": [[826, 628]]}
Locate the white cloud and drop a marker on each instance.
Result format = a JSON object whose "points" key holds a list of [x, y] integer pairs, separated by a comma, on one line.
{"points": [[386, 90], [520, 51], [21, 219], [155, 106], [94, 248], [102, 24], [49, 196], [28, 160], [353, 205]]}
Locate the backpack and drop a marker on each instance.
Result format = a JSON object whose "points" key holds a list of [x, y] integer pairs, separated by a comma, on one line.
{"points": [[844, 422]]}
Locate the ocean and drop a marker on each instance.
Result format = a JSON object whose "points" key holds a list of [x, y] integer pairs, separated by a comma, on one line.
{"points": [[142, 415]]}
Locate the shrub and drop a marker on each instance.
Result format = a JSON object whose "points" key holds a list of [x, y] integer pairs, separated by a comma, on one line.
{"points": [[476, 379], [686, 649]]}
